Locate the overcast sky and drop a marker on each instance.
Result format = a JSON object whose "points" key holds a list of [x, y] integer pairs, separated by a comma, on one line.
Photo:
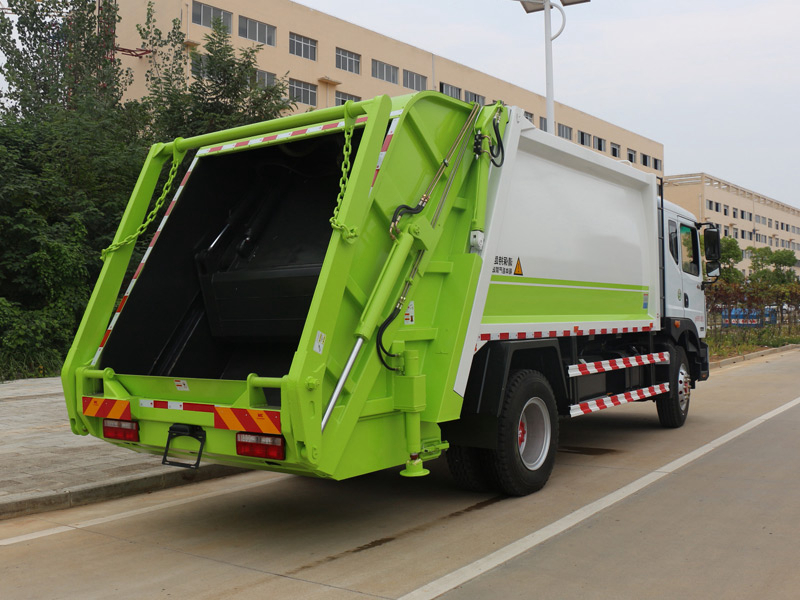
{"points": [[716, 81]]}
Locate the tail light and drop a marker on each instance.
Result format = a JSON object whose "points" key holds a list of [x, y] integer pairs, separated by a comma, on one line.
{"points": [[126, 431], [260, 446]]}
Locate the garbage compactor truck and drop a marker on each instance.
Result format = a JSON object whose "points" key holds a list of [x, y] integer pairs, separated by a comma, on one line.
{"points": [[371, 285]]}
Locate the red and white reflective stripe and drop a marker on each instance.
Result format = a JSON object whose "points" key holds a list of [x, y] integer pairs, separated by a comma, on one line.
{"points": [[386, 141], [276, 136], [617, 363], [144, 260], [562, 330], [225, 417], [584, 408]]}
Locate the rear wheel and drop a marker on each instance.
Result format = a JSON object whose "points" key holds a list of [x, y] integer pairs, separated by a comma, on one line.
{"points": [[527, 435], [673, 407], [469, 469]]}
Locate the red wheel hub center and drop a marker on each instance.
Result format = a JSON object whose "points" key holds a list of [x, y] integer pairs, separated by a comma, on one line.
{"points": [[522, 433]]}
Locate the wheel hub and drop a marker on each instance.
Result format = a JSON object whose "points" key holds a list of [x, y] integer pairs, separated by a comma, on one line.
{"points": [[534, 433], [684, 387]]}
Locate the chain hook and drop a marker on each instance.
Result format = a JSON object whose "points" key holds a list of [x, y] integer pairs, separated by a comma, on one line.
{"points": [[348, 233]]}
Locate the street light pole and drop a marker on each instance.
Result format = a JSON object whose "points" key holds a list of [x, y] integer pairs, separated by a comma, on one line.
{"points": [[548, 59], [546, 5]]}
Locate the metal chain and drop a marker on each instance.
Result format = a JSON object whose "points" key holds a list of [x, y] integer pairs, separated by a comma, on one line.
{"points": [[348, 233], [177, 158]]}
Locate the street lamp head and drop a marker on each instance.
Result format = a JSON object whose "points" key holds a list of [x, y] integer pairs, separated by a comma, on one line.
{"points": [[532, 6]]}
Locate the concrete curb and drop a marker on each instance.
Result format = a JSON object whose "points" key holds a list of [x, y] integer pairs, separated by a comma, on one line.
{"points": [[17, 505], [736, 359]]}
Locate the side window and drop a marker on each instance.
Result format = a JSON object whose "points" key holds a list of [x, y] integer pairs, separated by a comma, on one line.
{"points": [[673, 240], [691, 255]]}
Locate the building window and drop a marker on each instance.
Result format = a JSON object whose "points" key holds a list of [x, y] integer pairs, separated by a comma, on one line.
{"points": [[529, 116], [543, 123], [615, 150], [204, 14], [381, 70], [769, 222], [632, 156], [300, 45], [199, 64], [341, 98], [473, 97], [657, 164], [415, 81], [564, 131], [265, 79], [303, 92], [716, 207], [758, 218], [736, 233], [257, 31], [727, 231], [584, 139], [646, 161], [735, 213], [348, 61], [599, 144], [446, 88], [710, 204], [725, 209]]}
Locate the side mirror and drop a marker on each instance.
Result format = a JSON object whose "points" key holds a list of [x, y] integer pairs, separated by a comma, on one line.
{"points": [[712, 268], [711, 239]]}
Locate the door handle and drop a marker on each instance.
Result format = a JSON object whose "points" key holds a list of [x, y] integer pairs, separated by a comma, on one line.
{"points": [[686, 300]]}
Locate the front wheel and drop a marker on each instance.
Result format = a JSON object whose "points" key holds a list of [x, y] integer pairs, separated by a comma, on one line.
{"points": [[673, 407], [527, 435]]}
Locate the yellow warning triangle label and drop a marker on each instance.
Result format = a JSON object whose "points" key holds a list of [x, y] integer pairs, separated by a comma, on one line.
{"points": [[518, 268]]}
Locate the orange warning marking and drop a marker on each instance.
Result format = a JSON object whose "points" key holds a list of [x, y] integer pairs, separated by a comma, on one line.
{"points": [[518, 268], [106, 408], [243, 419]]}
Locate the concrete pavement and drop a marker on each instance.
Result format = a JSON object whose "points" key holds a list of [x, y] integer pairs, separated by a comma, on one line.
{"points": [[44, 466]]}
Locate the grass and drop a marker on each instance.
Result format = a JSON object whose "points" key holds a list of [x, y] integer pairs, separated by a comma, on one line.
{"points": [[735, 341]]}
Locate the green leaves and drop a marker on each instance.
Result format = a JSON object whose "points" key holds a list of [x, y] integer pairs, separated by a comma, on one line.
{"points": [[71, 150], [224, 91]]}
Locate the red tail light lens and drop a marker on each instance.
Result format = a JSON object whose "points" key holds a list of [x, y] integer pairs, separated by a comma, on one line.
{"points": [[126, 431], [260, 446]]}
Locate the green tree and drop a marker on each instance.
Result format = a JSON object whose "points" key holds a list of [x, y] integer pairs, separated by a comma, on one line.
{"points": [[730, 256], [69, 153], [224, 91], [783, 262]]}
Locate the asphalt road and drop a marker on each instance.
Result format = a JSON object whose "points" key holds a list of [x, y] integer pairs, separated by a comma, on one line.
{"points": [[632, 511]]}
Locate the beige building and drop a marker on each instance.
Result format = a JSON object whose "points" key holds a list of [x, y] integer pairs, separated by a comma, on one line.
{"points": [[328, 61], [748, 217]]}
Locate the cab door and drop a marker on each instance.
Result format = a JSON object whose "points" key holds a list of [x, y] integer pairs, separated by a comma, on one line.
{"points": [[694, 304], [673, 273]]}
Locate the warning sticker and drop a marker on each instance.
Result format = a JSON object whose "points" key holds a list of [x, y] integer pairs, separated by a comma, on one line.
{"points": [[409, 316], [181, 385], [503, 265], [319, 343], [518, 268]]}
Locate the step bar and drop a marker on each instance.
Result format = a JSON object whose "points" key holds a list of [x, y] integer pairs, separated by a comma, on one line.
{"points": [[617, 363], [590, 406]]}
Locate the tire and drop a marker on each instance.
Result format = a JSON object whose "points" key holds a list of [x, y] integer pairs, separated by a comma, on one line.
{"points": [[468, 466], [527, 435], [673, 407]]}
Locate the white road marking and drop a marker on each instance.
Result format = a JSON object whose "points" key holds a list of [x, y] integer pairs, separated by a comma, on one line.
{"points": [[452, 580], [133, 513]]}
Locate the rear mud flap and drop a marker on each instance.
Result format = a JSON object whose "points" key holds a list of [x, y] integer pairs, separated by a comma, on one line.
{"points": [[180, 430]]}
